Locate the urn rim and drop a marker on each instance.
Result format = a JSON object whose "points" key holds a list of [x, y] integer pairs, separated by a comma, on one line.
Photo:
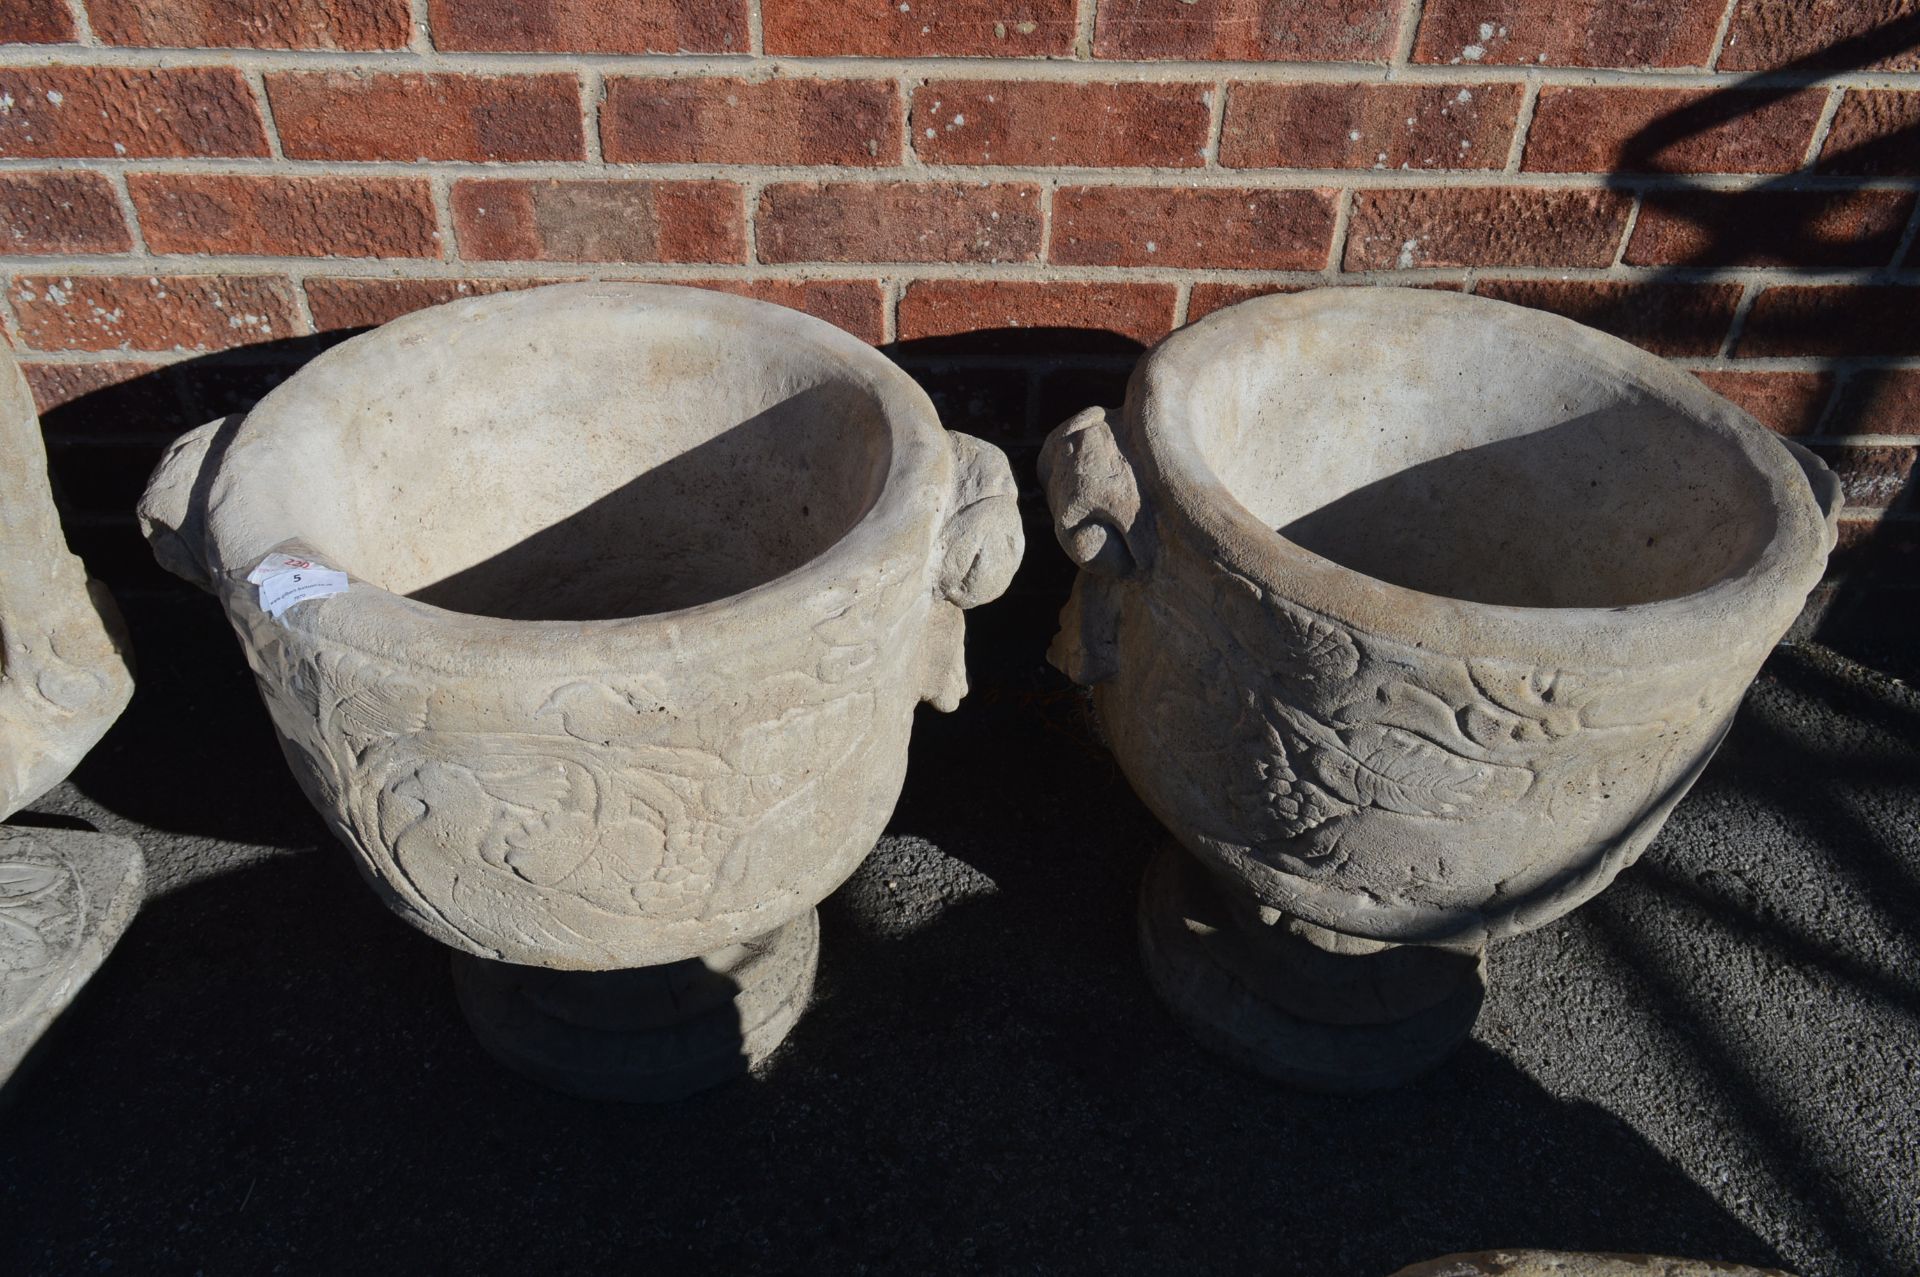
{"points": [[1763, 594], [892, 537]]}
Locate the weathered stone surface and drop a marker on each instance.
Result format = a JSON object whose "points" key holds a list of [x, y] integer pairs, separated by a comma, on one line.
{"points": [[65, 898], [645, 585], [1560, 1263], [64, 674], [1521, 578]]}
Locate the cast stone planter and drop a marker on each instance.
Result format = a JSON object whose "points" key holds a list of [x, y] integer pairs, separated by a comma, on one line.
{"points": [[1412, 616], [644, 585]]}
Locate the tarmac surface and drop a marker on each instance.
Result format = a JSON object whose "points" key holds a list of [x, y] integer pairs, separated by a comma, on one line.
{"points": [[1718, 1058]]}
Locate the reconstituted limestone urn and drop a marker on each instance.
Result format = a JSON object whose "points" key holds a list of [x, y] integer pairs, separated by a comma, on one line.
{"points": [[593, 619], [1412, 616]]}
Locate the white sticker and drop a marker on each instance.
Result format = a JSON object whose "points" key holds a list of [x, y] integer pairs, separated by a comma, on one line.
{"points": [[275, 564], [282, 590]]}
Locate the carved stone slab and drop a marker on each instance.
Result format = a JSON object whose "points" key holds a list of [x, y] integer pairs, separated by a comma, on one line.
{"points": [[64, 676], [65, 898]]}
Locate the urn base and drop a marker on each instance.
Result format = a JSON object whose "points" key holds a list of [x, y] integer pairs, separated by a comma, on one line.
{"points": [[1269, 1000], [648, 1034]]}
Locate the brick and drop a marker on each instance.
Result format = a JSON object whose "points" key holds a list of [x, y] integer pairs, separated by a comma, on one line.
{"points": [[1790, 403], [1875, 133], [1809, 229], [1192, 227], [1248, 30], [57, 385], [1062, 123], [987, 402], [120, 398], [589, 26], [1667, 319], [1619, 130], [101, 478], [1872, 477], [600, 221], [253, 24], [367, 303], [924, 29], [856, 305], [1486, 226], [1083, 316], [728, 120], [37, 22], [1389, 126], [1876, 547], [1207, 298], [70, 112], [1850, 34], [1586, 33], [898, 222], [1878, 401], [286, 216], [1066, 391], [219, 387], [1834, 320], [166, 312], [326, 115], [61, 213]]}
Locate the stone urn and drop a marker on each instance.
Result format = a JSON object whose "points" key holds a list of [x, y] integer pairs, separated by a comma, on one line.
{"points": [[66, 895], [1411, 615], [611, 605]]}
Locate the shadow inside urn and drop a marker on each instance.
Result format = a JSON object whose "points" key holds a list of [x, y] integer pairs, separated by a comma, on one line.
{"points": [[704, 518], [1595, 511]]}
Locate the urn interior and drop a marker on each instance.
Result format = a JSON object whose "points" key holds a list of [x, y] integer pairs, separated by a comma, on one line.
{"points": [[602, 464], [1463, 460]]}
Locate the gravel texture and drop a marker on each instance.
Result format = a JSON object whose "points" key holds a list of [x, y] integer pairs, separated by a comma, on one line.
{"points": [[1716, 1058]]}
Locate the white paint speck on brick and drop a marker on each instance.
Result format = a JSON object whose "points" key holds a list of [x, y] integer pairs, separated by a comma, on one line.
{"points": [[1406, 254]]}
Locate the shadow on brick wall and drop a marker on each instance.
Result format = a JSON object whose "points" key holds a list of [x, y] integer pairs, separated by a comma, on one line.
{"points": [[1782, 223]]}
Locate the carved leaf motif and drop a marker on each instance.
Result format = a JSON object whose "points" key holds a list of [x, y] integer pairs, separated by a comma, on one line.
{"points": [[1302, 647], [23, 884], [22, 881], [1320, 650], [378, 710], [1393, 769], [533, 783]]}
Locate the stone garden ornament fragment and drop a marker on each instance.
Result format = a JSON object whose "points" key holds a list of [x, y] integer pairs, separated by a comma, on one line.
{"points": [[1412, 616], [640, 587], [65, 895], [1560, 1263]]}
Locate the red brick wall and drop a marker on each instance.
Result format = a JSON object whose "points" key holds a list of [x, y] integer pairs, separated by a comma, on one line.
{"points": [[194, 192]]}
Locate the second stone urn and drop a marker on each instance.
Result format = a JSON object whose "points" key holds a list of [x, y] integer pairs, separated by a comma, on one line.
{"points": [[593, 619], [1411, 616]]}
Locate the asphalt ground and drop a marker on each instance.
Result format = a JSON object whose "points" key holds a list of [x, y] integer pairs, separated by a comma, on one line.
{"points": [[1716, 1058]]}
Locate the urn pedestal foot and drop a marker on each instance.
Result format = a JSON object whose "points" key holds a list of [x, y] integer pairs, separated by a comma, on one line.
{"points": [[648, 1034], [1268, 999]]}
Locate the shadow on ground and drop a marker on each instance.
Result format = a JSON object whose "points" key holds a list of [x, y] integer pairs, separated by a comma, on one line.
{"points": [[271, 1074]]}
